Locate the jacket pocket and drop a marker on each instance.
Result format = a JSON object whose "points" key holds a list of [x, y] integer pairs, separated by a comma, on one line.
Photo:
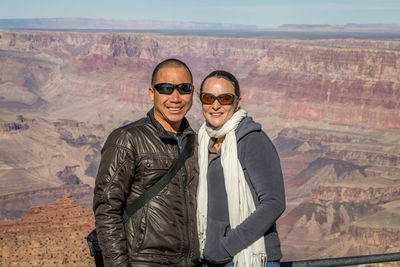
{"points": [[141, 229], [154, 170], [216, 231], [135, 230]]}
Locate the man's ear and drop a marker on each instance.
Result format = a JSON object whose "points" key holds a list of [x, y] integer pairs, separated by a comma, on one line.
{"points": [[151, 93]]}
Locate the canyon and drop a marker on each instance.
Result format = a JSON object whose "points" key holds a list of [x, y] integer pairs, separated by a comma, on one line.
{"points": [[330, 106]]}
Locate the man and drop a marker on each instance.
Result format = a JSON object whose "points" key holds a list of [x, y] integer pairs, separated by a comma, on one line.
{"points": [[134, 157]]}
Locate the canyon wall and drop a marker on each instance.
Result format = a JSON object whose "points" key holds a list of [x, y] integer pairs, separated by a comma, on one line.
{"points": [[354, 85], [331, 107]]}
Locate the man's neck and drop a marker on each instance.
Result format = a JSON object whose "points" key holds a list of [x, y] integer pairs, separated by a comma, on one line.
{"points": [[169, 127], [174, 128]]}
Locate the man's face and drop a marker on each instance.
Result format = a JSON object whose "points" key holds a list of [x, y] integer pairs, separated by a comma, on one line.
{"points": [[169, 110]]}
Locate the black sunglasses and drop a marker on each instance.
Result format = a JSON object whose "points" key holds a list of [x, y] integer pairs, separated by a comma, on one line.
{"points": [[168, 88], [223, 99]]}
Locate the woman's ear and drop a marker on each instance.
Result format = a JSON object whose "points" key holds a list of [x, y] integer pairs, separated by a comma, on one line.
{"points": [[238, 103]]}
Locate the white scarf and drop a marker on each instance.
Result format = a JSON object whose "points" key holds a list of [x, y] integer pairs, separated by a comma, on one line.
{"points": [[240, 201]]}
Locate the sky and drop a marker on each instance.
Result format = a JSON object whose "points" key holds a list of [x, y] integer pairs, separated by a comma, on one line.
{"points": [[261, 13]]}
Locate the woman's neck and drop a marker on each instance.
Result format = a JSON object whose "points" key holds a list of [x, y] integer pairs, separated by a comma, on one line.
{"points": [[218, 143]]}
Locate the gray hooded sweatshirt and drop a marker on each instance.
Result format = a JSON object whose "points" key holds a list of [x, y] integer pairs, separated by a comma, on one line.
{"points": [[262, 170]]}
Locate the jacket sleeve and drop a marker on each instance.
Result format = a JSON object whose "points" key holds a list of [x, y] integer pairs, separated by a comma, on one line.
{"points": [[261, 164], [112, 187]]}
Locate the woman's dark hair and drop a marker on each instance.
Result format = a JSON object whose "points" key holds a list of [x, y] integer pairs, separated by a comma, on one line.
{"points": [[227, 76]]}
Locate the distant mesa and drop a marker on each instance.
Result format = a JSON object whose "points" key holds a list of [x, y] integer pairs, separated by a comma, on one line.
{"points": [[115, 24], [342, 27], [84, 23]]}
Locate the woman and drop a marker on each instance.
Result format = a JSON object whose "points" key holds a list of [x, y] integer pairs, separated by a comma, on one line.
{"points": [[241, 192]]}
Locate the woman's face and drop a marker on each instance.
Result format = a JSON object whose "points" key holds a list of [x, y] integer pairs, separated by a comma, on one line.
{"points": [[216, 114]]}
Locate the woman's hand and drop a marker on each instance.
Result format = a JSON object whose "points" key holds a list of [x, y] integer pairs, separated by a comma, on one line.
{"points": [[214, 250], [218, 255]]}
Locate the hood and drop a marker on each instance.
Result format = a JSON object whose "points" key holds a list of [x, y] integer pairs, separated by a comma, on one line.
{"points": [[246, 126]]}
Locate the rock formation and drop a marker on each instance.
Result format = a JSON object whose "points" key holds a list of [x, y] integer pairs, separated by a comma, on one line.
{"points": [[47, 237], [13, 206]]}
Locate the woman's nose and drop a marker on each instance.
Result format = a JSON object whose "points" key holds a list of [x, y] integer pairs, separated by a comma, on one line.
{"points": [[216, 104]]}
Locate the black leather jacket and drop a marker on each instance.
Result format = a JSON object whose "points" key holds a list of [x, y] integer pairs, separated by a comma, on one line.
{"points": [[164, 231]]}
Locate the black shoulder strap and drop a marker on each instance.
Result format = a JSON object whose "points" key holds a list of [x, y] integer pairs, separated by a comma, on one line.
{"points": [[157, 187]]}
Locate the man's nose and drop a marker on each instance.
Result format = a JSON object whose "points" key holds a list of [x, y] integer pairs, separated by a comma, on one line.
{"points": [[175, 96]]}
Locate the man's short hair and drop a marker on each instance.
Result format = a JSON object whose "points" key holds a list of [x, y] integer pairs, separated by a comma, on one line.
{"points": [[170, 63]]}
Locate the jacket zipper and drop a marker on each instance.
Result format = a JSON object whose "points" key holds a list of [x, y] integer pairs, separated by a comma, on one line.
{"points": [[187, 247], [187, 219]]}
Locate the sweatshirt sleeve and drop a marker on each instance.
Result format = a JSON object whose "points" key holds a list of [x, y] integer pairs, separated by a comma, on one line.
{"points": [[261, 165]]}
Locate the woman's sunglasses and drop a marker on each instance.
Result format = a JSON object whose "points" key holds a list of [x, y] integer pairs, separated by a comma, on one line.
{"points": [[168, 88], [224, 99]]}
